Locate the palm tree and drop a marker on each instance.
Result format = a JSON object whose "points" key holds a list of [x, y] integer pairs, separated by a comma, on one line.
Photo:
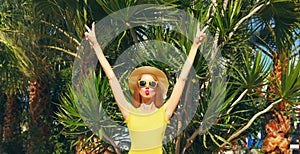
{"points": [[229, 21], [61, 28], [277, 35], [13, 83], [33, 49]]}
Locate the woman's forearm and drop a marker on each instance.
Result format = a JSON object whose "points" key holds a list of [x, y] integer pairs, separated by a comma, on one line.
{"points": [[113, 81], [180, 83], [199, 38], [103, 61], [91, 37], [188, 63]]}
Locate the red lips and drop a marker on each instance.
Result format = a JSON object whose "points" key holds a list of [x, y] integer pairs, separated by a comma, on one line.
{"points": [[147, 92]]}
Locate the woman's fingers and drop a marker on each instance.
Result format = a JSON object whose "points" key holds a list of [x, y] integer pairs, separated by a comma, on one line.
{"points": [[90, 33], [93, 26], [87, 28]]}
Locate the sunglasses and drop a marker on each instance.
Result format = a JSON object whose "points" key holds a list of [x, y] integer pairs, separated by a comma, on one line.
{"points": [[143, 83]]}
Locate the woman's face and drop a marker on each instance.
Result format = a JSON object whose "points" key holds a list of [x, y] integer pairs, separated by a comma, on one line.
{"points": [[147, 86]]}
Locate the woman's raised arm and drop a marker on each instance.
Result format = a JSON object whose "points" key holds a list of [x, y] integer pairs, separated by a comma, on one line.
{"points": [[173, 101], [119, 96]]}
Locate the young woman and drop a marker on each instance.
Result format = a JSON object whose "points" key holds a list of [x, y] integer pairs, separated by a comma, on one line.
{"points": [[147, 116]]}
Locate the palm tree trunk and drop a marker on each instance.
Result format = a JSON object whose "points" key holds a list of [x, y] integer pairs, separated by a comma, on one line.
{"points": [[11, 126], [278, 126], [39, 110]]}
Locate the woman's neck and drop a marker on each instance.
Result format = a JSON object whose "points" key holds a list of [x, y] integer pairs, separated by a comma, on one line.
{"points": [[148, 106], [147, 101]]}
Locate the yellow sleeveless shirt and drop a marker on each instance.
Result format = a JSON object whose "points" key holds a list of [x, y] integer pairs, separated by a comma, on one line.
{"points": [[146, 131]]}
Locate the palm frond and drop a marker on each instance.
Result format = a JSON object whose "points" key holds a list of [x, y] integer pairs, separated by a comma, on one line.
{"points": [[252, 74], [291, 82]]}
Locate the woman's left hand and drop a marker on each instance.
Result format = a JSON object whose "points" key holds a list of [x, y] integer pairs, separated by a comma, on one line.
{"points": [[90, 35], [199, 39], [200, 36]]}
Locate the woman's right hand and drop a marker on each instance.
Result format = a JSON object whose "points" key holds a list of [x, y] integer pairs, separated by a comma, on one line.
{"points": [[90, 35]]}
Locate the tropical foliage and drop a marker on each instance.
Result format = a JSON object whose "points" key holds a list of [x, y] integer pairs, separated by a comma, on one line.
{"points": [[258, 47]]}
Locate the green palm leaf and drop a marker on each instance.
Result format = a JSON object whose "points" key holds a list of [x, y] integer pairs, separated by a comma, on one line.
{"points": [[291, 82], [252, 74]]}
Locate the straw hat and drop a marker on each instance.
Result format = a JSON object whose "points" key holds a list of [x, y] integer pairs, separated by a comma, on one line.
{"points": [[160, 75]]}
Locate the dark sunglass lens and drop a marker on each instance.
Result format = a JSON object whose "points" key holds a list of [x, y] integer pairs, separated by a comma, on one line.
{"points": [[142, 83], [152, 84]]}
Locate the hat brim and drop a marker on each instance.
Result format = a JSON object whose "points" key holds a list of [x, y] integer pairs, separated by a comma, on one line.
{"points": [[160, 75]]}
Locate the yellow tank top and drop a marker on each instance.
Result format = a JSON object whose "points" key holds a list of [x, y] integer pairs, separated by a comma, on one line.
{"points": [[146, 131]]}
